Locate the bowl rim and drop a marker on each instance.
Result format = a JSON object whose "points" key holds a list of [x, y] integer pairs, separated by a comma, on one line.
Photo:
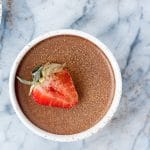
{"points": [[84, 134]]}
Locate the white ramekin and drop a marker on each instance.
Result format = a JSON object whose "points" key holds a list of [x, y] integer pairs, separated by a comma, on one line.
{"points": [[90, 131]]}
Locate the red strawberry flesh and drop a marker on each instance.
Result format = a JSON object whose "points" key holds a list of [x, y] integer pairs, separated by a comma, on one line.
{"points": [[55, 88]]}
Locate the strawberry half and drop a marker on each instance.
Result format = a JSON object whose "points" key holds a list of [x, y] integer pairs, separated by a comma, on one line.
{"points": [[52, 85]]}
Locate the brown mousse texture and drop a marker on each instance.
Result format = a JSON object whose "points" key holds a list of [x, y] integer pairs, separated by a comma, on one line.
{"points": [[92, 75]]}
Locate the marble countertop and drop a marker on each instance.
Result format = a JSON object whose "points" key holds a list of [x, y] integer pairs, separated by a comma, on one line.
{"points": [[0, 10], [123, 25]]}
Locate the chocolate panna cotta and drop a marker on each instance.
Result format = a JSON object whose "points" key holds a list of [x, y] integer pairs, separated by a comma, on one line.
{"points": [[91, 75]]}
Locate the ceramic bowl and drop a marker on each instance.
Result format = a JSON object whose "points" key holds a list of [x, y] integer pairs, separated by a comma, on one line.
{"points": [[74, 137]]}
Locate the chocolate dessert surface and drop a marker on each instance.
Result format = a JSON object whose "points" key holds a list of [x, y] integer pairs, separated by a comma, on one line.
{"points": [[92, 75]]}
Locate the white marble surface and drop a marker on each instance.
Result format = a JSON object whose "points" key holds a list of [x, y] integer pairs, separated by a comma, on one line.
{"points": [[123, 25], [0, 10]]}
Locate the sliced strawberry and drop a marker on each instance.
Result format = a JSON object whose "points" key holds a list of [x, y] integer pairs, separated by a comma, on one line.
{"points": [[55, 87]]}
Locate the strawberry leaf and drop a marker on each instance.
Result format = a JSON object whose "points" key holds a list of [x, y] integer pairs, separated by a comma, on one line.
{"points": [[37, 74], [36, 69], [24, 81]]}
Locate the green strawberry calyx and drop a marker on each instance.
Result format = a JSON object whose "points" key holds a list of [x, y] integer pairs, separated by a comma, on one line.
{"points": [[40, 74]]}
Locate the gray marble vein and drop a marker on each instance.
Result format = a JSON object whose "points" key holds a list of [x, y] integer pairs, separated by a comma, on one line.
{"points": [[123, 25]]}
